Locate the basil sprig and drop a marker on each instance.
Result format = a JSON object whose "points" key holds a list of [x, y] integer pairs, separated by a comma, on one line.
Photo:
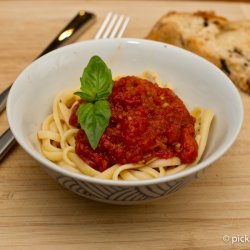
{"points": [[96, 85]]}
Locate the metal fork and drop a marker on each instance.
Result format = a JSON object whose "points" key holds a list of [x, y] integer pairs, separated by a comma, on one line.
{"points": [[113, 26]]}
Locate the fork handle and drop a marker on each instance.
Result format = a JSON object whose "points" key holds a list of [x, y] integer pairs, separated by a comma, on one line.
{"points": [[7, 141], [76, 26]]}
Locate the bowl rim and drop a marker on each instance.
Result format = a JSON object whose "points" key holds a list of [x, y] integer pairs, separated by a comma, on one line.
{"points": [[79, 176]]}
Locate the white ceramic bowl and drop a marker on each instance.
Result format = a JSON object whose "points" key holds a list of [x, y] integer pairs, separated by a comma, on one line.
{"points": [[196, 81]]}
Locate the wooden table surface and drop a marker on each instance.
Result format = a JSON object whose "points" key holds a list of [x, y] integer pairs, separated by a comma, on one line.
{"points": [[37, 213]]}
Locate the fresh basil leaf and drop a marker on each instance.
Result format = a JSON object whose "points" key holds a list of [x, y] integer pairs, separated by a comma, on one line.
{"points": [[83, 96], [94, 119], [80, 94], [96, 86], [96, 81]]}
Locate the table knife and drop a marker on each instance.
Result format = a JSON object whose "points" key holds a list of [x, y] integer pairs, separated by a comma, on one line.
{"points": [[71, 32]]}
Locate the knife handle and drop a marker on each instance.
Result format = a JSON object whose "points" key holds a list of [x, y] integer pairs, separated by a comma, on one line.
{"points": [[7, 141], [3, 98], [69, 33]]}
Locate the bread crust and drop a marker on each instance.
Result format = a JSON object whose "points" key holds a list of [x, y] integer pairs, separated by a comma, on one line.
{"points": [[224, 43]]}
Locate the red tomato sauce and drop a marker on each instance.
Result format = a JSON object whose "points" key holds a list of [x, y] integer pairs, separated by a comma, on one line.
{"points": [[146, 122]]}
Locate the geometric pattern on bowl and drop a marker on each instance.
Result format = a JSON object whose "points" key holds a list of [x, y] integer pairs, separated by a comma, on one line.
{"points": [[121, 194]]}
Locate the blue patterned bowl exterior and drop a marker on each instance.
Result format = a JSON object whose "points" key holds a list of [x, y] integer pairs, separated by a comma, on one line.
{"points": [[122, 195]]}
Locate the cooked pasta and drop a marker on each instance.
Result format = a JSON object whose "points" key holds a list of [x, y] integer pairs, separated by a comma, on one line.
{"points": [[57, 138]]}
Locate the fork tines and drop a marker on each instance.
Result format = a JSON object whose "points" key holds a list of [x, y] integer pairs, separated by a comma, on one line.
{"points": [[113, 26]]}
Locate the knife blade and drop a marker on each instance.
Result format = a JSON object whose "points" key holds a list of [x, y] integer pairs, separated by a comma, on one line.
{"points": [[80, 23]]}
